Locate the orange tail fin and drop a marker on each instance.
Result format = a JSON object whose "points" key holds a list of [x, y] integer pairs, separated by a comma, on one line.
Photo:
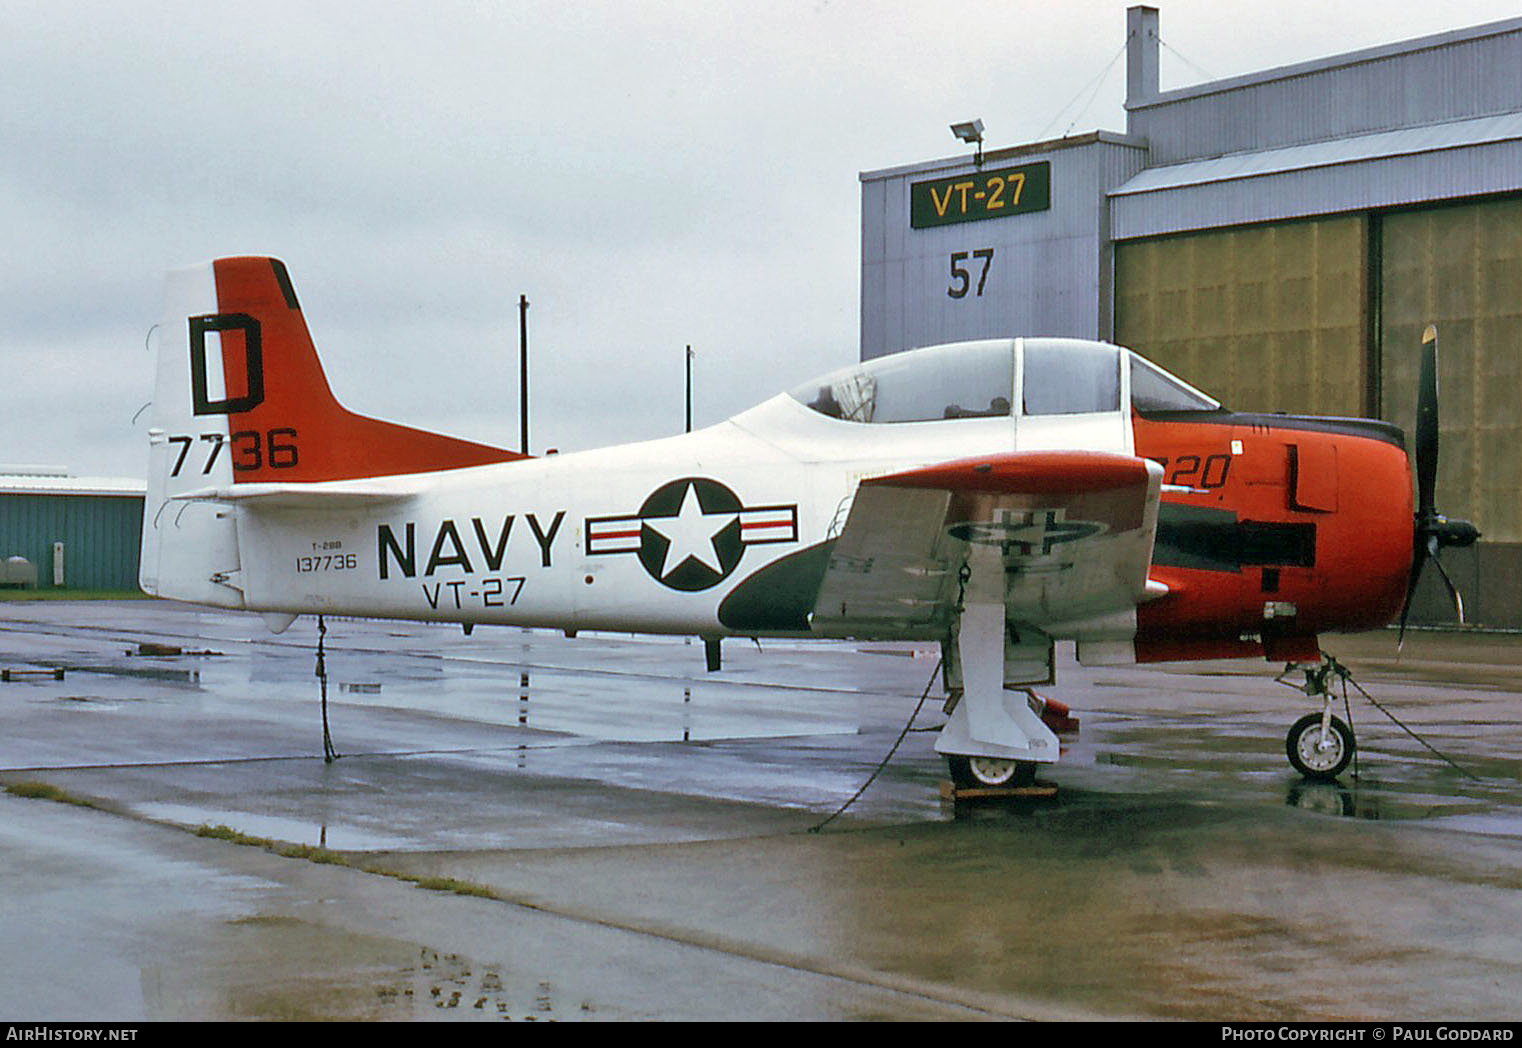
{"points": [[283, 422]]}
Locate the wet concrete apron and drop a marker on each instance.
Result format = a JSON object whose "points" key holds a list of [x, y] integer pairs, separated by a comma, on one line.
{"points": [[635, 833]]}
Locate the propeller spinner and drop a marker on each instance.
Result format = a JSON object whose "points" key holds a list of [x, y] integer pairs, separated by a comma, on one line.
{"points": [[1433, 532]]}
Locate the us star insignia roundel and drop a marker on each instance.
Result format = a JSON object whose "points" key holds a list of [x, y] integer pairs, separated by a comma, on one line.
{"points": [[1027, 533], [690, 534]]}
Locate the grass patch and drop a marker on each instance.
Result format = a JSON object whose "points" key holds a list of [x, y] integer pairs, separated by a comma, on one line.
{"points": [[43, 791], [309, 852], [322, 855], [445, 884]]}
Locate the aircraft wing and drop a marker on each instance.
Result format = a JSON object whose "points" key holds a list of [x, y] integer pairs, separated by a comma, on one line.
{"points": [[1074, 530]]}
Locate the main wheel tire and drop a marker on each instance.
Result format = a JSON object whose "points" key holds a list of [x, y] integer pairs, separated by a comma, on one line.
{"points": [[1315, 757], [976, 772]]}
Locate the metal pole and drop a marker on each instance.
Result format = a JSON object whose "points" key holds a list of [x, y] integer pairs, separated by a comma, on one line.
{"points": [[689, 389], [523, 373]]}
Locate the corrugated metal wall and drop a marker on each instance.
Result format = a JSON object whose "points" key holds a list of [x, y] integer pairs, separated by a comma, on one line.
{"points": [[1465, 73], [1461, 268], [101, 536], [1419, 165], [1263, 318]]}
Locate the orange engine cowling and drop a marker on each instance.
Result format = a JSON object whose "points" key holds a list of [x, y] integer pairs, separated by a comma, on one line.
{"points": [[1273, 529]]}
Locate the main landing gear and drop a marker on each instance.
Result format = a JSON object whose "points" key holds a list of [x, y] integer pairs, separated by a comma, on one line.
{"points": [[1010, 776], [990, 772], [1321, 745]]}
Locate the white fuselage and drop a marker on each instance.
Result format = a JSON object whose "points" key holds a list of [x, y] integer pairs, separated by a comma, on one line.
{"points": [[557, 541]]}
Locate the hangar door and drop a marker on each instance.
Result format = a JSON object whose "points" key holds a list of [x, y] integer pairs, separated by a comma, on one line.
{"points": [[1460, 268], [1263, 318]]}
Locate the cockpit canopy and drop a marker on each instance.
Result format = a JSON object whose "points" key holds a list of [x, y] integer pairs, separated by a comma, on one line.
{"points": [[1057, 376]]}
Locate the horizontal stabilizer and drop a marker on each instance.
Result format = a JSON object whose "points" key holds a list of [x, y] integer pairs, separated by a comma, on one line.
{"points": [[297, 496]]}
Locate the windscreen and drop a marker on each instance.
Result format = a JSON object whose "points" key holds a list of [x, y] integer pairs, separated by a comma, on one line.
{"points": [[962, 380], [1154, 390]]}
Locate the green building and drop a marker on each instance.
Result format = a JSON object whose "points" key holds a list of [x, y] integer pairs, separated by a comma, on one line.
{"points": [[73, 532]]}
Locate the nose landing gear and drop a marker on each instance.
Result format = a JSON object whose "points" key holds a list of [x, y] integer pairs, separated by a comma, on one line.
{"points": [[1321, 745]]}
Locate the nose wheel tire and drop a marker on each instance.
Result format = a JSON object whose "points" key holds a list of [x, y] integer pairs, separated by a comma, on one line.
{"points": [[975, 772], [1317, 754]]}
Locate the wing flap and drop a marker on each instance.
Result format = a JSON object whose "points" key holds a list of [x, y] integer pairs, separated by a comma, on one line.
{"points": [[892, 568]]}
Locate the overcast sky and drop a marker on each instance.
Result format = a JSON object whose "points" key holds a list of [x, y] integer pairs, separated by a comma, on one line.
{"points": [[649, 174]]}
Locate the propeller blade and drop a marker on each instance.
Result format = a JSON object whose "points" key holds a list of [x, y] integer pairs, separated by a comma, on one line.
{"points": [[1453, 591], [1426, 427], [1418, 558], [1424, 548], [1431, 531]]}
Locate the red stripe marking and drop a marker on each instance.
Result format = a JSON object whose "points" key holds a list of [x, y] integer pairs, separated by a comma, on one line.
{"points": [[1028, 472]]}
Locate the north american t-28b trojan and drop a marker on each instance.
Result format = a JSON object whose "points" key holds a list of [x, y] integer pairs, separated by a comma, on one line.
{"points": [[995, 496]]}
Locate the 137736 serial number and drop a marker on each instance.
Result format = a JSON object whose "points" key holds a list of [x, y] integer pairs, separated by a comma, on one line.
{"points": [[327, 562]]}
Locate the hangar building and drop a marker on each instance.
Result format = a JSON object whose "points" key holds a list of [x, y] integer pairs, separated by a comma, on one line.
{"points": [[1279, 240], [63, 531]]}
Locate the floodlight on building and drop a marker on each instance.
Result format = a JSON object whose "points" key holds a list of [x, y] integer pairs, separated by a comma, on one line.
{"points": [[971, 132]]}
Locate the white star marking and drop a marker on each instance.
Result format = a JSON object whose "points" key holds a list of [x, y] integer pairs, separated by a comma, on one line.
{"points": [[690, 534]]}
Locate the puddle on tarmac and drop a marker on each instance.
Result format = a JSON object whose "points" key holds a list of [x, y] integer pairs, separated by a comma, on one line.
{"points": [[91, 702]]}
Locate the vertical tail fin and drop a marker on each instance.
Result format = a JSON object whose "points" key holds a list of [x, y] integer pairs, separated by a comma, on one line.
{"points": [[240, 397], [285, 424]]}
